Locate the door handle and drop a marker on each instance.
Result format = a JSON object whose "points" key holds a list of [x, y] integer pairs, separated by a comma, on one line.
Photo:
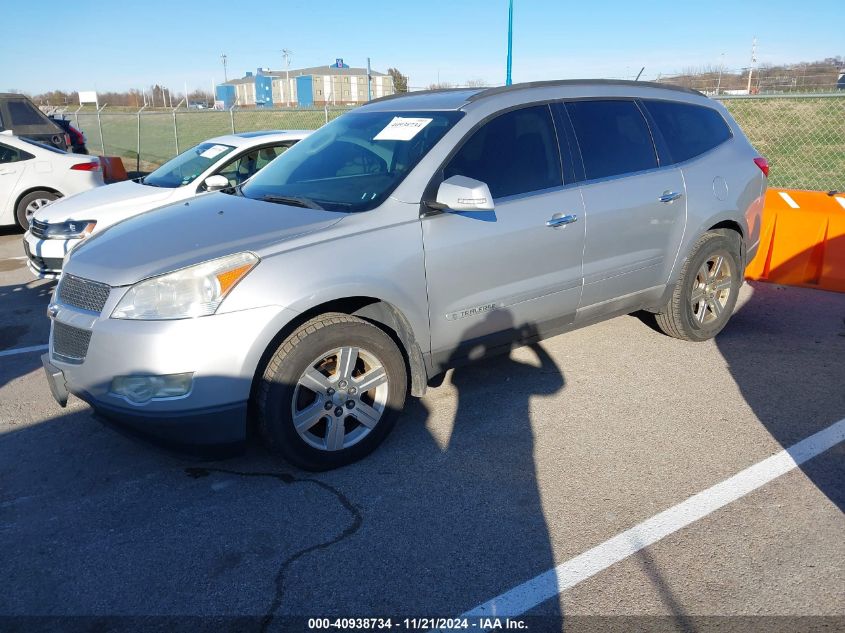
{"points": [[559, 219], [669, 196]]}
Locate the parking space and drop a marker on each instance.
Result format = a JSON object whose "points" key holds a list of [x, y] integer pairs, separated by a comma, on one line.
{"points": [[504, 471]]}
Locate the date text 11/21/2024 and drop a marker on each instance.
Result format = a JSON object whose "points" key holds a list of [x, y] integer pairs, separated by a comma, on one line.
{"points": [[414, 624]]}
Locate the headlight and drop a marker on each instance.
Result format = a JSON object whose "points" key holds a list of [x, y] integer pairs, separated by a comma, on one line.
{"points": [[191, 292], [69, 230]]}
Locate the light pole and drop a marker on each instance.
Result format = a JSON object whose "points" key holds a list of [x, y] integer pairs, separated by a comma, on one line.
{"points": [[721, 67], [508, 81], [225, 76], [753, 61], [286, 53]]}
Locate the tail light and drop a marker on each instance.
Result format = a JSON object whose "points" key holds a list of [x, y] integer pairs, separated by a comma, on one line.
{"points": [[67, 140], [763, 164], [89, 166]]}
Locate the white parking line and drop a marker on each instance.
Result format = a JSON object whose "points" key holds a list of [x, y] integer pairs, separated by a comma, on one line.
{"points": [[23, 350], [788, 199], [840, 200], [529, 594]]}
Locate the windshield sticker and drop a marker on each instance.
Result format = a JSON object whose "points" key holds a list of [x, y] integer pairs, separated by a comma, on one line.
{"points": [[213, 151], [401, 129]]}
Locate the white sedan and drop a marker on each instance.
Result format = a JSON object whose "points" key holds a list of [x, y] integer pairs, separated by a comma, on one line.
{"points": [[33, 174], [214, 164]]}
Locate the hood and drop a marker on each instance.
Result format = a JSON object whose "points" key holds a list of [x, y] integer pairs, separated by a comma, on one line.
{"points": [[106, 204], [186, 233]]}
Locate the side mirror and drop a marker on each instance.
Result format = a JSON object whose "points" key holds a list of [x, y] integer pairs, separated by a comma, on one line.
{"points": [[216, 183], [460, 193]]}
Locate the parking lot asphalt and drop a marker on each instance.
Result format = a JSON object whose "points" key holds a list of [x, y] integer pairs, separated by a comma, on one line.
{"points": [[507, 469]]}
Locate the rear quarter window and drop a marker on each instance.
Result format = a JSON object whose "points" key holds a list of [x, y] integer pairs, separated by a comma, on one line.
{"points": [[689, 130]]}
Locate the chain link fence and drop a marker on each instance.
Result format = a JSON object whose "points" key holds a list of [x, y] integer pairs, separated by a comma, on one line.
{"points": [[802, 136], [146, 139]]}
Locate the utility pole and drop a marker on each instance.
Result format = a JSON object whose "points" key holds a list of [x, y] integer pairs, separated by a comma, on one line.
{"points": [[753, 61], [286, 53], [369, 81], [225, 75], [508, 80], [721, 68]]}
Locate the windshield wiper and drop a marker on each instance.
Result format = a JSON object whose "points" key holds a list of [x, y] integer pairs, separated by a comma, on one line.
{"points": [[294, 201]]}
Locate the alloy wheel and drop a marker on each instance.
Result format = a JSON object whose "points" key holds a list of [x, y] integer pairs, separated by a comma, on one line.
{"points": [[339, 398], [711, 288]]}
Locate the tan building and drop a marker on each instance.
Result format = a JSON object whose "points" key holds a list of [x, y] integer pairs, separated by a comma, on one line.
{"points": [[318, 86]]}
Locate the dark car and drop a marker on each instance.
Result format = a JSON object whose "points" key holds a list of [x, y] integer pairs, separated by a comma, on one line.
{"points": [[77, 138], [23, 118]]}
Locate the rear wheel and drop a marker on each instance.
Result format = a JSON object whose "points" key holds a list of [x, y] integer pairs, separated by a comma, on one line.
{"points": [[331, 393], [31, 203], [707, 290]]}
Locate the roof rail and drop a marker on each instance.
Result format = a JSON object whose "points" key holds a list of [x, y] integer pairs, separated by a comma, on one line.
{"points": [[580, 82], [397, 95]]}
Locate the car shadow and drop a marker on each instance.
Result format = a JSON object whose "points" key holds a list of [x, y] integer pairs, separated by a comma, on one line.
{"points": [[23, 323], [439, 519], [807, 327]]}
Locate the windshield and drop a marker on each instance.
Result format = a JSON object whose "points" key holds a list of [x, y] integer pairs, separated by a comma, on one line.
{"points": [[185, 168], [353, 163]]}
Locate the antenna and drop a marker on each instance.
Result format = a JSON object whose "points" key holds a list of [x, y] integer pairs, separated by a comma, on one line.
{"points": [[223, 59]]}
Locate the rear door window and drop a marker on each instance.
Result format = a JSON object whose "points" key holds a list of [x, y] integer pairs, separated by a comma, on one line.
{"points": [[514, 153], [689, 130], [613, 137]]}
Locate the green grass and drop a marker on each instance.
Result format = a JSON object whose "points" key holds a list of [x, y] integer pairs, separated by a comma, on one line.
{"points": [[158, 140], [803, 138]]}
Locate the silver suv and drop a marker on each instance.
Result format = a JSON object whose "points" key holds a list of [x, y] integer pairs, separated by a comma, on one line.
{"points": [[413, 234]]}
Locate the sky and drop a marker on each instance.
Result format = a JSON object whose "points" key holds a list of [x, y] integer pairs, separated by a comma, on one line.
{"points": [[117, 45]]}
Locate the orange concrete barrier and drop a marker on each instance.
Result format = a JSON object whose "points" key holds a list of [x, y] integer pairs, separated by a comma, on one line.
{"points": [[802, 240], [113, 169]]}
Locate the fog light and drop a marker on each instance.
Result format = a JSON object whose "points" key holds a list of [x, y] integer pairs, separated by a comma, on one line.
{"points": [[141, 389]]}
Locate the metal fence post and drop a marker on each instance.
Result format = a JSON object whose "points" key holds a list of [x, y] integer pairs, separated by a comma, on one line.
{"points": [[175, 128], [232, 117], [138, 146], [76, 117], [100, 127], [326, 110]]}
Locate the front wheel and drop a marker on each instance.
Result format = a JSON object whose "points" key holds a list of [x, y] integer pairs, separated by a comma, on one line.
{"points": [[706, 293], [331, 393]]}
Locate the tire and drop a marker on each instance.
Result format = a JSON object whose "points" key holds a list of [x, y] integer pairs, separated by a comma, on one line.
{"points": [[35, 198], [703, 300], [321, 347]]}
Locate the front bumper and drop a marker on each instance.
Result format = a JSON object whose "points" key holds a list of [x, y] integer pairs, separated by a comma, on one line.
{"points": [[45, 258], [222, 352]]}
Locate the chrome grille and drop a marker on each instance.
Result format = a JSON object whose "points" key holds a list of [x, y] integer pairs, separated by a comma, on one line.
{"points": [[38, 228], [82, 293], [70, 344]]}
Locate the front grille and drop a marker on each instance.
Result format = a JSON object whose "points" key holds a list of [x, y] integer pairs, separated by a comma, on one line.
{"points": [[70, 344], [38, 228], [83, 293]]}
